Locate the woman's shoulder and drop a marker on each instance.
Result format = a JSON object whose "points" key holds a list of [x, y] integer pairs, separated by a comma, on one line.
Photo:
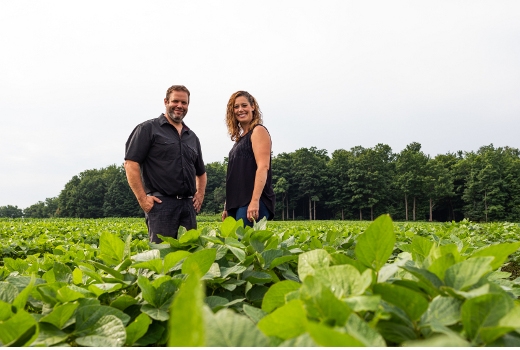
{"points": [[262, 129]]}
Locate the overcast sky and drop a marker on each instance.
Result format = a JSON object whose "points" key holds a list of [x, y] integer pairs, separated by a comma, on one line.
{"points": [[77, 77]]}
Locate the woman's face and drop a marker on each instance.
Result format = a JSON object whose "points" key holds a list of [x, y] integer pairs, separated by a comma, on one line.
{"points": [[243, 110]]}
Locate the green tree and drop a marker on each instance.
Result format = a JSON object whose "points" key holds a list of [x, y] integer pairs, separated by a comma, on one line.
{"points": [[10, 211], [310, 173], [119, 200], [438, 183], [282, 166], [339, 190], [216, 173], [410, 172]]}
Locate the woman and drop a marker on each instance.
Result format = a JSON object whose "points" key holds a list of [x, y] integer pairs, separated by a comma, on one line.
{"points": [[249, 190]]}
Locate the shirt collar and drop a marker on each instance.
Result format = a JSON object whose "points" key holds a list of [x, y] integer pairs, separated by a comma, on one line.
{"points": [[163, 120]]}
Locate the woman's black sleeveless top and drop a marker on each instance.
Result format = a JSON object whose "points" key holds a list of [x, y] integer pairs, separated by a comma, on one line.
{"points": [[240, 177]]}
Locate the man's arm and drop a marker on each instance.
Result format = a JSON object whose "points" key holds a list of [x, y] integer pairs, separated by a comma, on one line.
{"points": [[198, 198], [133, 174]]}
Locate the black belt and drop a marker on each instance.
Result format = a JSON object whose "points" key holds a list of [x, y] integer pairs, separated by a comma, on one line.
{"points": [[159, 194]]}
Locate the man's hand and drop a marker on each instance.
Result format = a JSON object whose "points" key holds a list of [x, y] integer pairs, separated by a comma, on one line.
{"points": [[148, 202], [224, 215], [197, 200]]}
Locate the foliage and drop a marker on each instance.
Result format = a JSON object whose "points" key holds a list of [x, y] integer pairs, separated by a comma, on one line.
{"points": [[100, 283]]}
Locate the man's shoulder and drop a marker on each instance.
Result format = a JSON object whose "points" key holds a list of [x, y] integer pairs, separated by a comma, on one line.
{"points": [[151, 122]]}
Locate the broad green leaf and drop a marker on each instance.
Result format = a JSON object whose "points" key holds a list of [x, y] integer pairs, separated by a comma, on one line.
{"points": [[62, 273], [304, 340], [94, 275], [285, 322], [395, 332], [440, 265], [485, 289], [233, 270], [108, 331], [427, 280], [257, 245], [87, 317], [8, 292], [21, 299], [102, 288], [310, 261], [260, 225], [172, 259], [49, 335], [282, 259], [484, 311], [360, 330], [444, 310], [325, 336], [5, 311], [186, 324], [228, 226], [108, 270], [26, 338], [320, 302], [275, 296], [147, 256], [123, 301], [60, 315], [363, 302], [438, 341], [512, 319], [155, 332], [344, 280], [255, 277], [137, 329], [155, 265], [214, 301], [465, 274], [270, 255], [376, 244], [201, 260], [227, 328], [254, 313], [190, 236], [158, 314], [127, 250], [238, 252], [148, 291], [112, 247], [421, 246], [214, 272], [66, 294], [164, 294], [77, 276], [500, 252], [342, 259], [412, 303], [490, 334], [16, 327]]}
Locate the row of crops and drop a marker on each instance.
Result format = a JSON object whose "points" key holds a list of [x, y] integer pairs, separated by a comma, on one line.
{"points": [[100, 283]]}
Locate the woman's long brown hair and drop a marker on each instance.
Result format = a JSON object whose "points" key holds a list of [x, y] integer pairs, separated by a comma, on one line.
{"points": [[234, 128]]}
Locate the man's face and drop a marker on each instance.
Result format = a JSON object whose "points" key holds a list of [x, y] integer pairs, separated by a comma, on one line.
{"points": [[177, 106]]}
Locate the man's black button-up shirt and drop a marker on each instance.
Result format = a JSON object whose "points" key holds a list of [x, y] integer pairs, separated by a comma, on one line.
{"points": [[168, 162]]}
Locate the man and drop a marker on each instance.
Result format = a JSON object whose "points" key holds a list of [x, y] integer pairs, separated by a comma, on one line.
{"points": [[164, 167]]}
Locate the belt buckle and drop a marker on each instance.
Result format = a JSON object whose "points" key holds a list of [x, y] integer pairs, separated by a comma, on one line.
{"points": [[179, 197]]}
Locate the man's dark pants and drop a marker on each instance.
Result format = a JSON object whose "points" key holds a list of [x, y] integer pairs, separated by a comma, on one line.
{"points": [[165, 218]]}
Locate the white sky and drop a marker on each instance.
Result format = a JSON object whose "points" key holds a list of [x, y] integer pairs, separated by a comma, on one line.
{"points": [[76, 78]]}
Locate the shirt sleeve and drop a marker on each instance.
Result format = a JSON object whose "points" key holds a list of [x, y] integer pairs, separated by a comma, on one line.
{"points": [[138, 144], [200, 169]]}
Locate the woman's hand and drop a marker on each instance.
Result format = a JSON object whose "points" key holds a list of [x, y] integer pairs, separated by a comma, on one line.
{"points": [[224, 215], [253, 210]]}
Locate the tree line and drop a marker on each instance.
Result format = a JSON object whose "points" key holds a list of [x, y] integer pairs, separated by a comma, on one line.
{"points": [[356, 184]]}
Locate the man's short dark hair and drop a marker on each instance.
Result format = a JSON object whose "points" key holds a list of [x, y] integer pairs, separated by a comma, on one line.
{"points": [[177, 88]]}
